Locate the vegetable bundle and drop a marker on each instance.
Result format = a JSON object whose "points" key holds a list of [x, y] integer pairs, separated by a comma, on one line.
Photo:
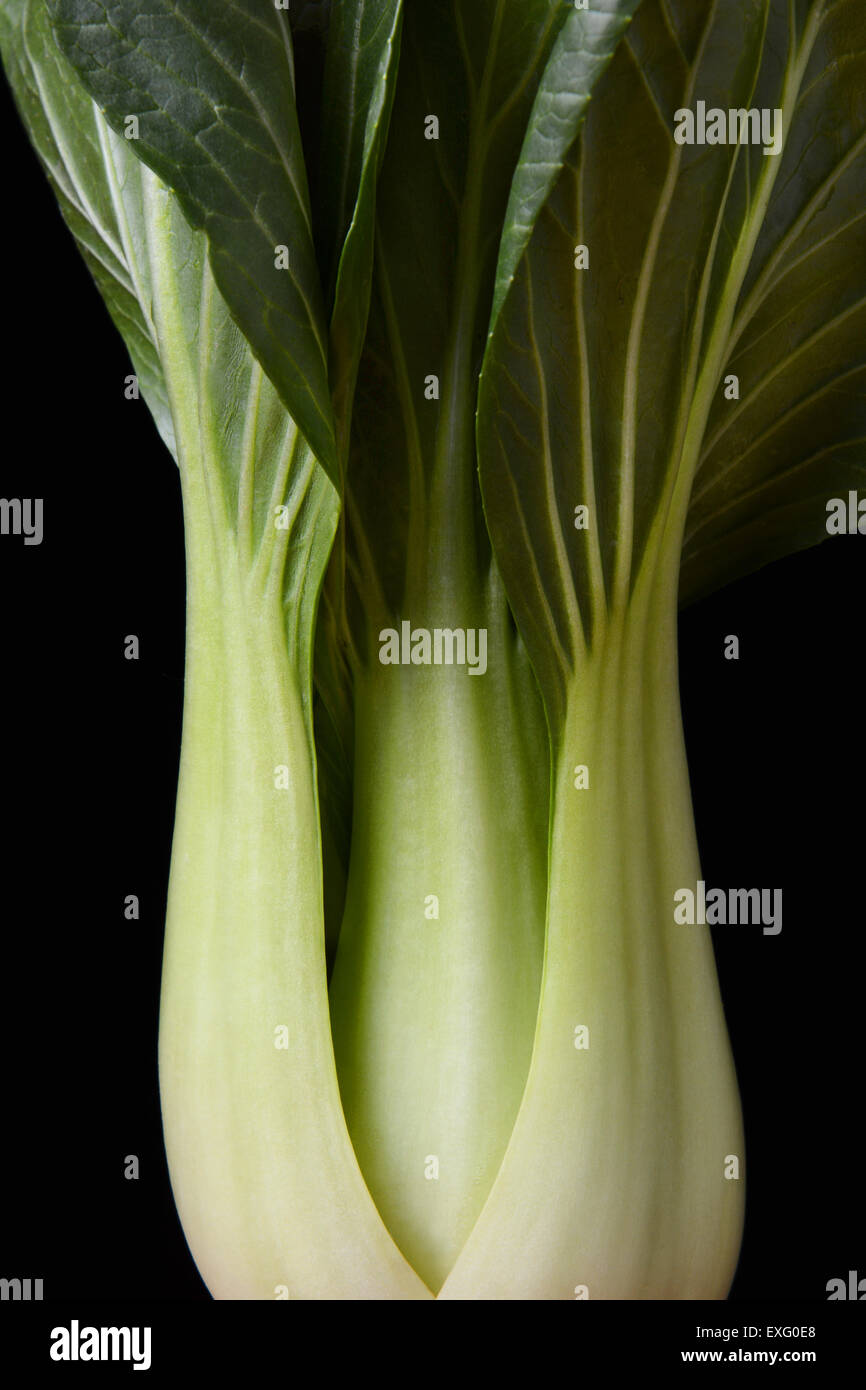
{"points": [[483, 336]]}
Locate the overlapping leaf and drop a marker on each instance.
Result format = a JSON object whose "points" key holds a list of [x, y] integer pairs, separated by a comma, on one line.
{"points": [[796, 437], [352, 115], [584, 46], [107, 196], [609, 386], [67, 133], [468, 77], [212, 90]]}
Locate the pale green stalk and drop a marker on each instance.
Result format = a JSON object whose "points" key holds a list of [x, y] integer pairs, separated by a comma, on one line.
{"points": [[633, 1133], [266, 1183], [435, 989]]}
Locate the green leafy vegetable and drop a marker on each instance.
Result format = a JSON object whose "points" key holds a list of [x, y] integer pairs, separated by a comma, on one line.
{"points": [[476, 358]]}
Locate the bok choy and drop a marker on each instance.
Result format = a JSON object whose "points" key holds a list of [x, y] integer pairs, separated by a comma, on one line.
{"points": [[483, 336]]}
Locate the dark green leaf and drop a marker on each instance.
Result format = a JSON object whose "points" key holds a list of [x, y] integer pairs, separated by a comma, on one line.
{"points": [[584, 47], [797, 437], [68, 136], [212, 88], [605, 386], [468, 78], [153, 270]]}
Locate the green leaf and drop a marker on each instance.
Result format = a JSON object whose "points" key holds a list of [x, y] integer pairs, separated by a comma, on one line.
{"points": [[360, 79], [68, 133], [212, 89], [605, 386], [796, 438], [584, 47], [361, 55], [357, 97], [107, 196], [468, 78]]}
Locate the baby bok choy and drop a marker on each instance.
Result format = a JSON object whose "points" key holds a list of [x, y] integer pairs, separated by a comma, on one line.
{"points": [[483, 337]]}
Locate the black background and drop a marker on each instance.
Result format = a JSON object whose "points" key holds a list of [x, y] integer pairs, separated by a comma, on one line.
{"points": [[89, 768]]}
